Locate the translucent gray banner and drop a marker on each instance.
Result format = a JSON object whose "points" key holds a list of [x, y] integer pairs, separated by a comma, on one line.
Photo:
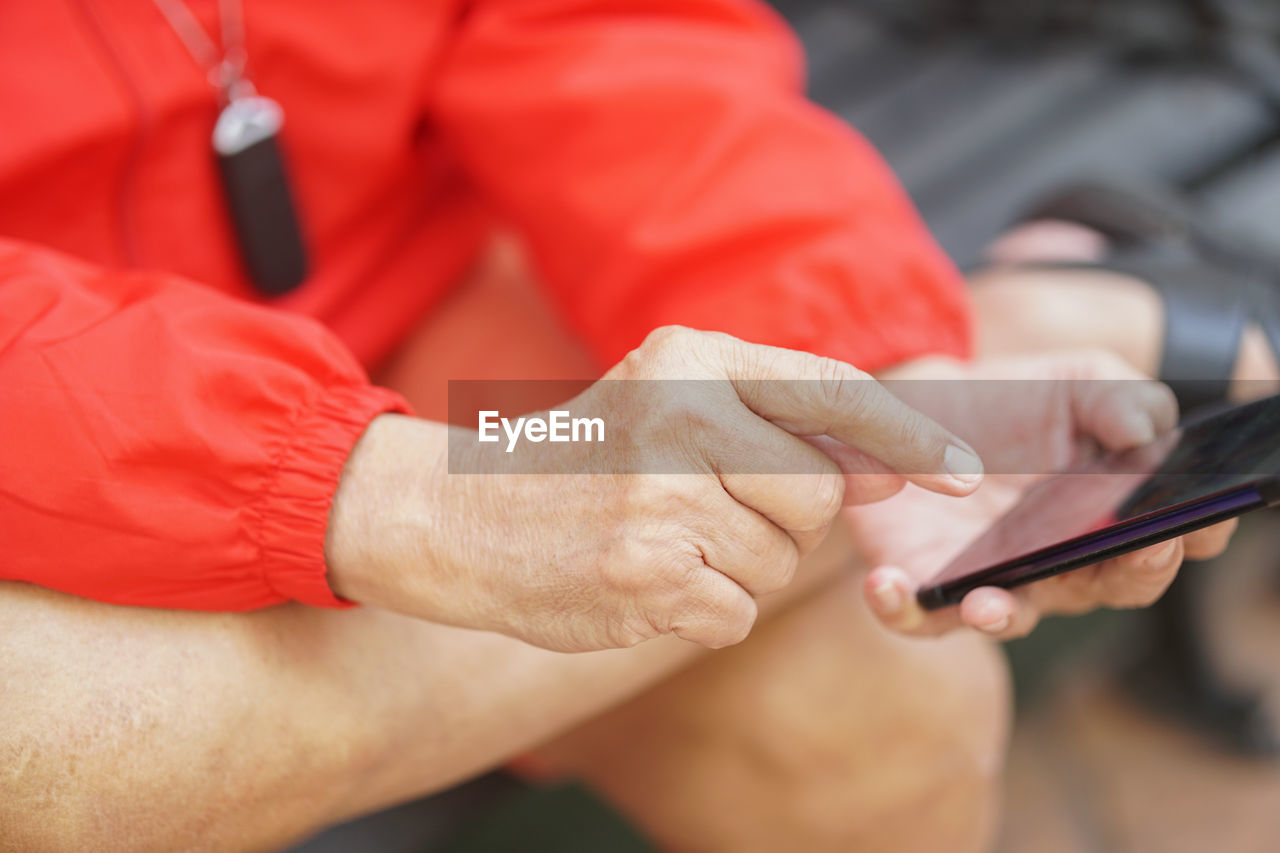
{"points": [[1022, 427]]}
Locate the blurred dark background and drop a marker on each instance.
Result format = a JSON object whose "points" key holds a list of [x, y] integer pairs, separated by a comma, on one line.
{"points": [[981, 107]]}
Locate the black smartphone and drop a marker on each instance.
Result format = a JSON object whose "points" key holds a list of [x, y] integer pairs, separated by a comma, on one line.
{"points": [[1211, 468]]}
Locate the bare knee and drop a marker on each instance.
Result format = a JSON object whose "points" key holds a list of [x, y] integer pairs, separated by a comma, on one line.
{"points": [[912, 763], [822, 732]]}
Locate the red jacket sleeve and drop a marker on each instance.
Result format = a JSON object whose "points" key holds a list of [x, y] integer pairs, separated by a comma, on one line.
{"points": [[164, 445], [661, 162]]}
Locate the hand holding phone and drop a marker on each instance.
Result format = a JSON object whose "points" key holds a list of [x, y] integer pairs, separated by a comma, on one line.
{"points": [[1209, 470], [1028, 417]]}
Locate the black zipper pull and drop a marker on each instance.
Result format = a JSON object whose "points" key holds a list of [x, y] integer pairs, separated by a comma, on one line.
{"points": [[259, 196]]}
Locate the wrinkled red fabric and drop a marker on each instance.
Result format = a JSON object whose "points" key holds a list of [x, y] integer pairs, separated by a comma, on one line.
{"points": [[170, 438]]}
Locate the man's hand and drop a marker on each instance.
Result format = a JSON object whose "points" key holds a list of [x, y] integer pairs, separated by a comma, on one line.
{"points": [[912, 536], [730, 496]]}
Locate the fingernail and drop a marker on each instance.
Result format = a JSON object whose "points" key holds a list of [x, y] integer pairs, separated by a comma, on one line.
{"points": [[998, 626], [888, 596], [1158, 559], [963, 464], [993, 618], [1139, 426]]}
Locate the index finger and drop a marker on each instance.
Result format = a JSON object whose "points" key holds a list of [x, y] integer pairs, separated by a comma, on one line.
{"points": [[808, 395]]}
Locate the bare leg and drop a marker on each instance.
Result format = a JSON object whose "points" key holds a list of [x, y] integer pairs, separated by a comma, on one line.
{"points": [[157, 730], [821, 733]]}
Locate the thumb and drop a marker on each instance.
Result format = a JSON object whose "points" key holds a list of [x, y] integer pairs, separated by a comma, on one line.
{"points": [[891, 595]]}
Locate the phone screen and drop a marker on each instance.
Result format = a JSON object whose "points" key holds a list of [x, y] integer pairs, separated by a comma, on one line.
{"points": [[1207, 469]]}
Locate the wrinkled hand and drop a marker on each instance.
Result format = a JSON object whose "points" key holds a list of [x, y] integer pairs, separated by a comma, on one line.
{"points": [[910, 537], [695, 504]]}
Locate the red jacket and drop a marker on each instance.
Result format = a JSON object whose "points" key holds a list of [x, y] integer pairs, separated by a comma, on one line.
{"points": [[169, 438]]}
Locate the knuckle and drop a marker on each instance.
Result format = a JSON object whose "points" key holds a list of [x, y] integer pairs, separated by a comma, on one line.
{"points": [[633, 365], [675, 575], [656, 351], [838, 382], [851, 392], [628, 632], [667, 588], [652, 624], [644, 559], [685, 574], [754, 553], [716, 610], [666, 339], [784, 568], [736, 625], [826, 499], [648, 499], [616, 571], [774, 567]]}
